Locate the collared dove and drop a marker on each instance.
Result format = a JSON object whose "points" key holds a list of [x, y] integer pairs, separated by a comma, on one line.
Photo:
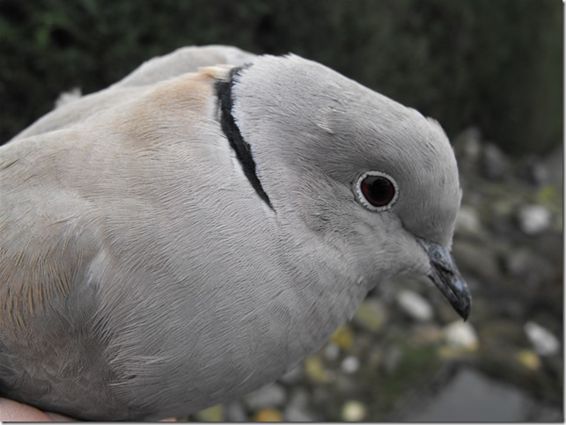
{"points": [[183, 237]]}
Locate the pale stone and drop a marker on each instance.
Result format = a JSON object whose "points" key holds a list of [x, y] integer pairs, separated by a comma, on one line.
{"points": [[534, 219], [414, 305], [350, 364], [461, 335], [544, 342], [353, 411], [272, 395]]}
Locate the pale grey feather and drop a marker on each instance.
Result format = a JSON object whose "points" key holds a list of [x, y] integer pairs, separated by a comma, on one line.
{"points": [[143, 277]]}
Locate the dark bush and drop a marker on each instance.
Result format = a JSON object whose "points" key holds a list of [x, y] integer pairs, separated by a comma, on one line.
{"points": [[496, 64]]}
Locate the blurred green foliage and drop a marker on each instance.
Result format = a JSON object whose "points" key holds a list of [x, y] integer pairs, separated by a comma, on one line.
{"points": [[496, 64]]}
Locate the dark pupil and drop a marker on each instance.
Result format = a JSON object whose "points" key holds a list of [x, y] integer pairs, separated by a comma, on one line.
{"points": [[378, 190]]}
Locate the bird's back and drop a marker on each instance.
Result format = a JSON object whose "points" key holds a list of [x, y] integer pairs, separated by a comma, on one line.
{"points": [[84, 210]]}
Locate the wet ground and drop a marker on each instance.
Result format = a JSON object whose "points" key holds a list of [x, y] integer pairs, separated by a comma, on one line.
{"points": [[472, 397]]}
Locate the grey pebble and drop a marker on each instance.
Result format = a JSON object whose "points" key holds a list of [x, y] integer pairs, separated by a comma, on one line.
{"points": [[272, 395]]}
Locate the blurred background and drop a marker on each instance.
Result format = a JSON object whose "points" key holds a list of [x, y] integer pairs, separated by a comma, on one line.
{"points": [[491, 71]]}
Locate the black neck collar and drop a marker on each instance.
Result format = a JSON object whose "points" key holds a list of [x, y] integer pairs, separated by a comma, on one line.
{"points": [[232, 132]]}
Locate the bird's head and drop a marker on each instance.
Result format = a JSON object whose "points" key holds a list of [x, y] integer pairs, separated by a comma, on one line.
{"points": [[371, 177]]}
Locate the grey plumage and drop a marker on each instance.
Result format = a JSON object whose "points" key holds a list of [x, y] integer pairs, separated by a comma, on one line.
{"points": [[141, 275], [181, 61]]}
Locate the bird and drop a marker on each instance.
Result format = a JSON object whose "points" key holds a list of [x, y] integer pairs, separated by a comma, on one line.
{"points": [[195, 230]]}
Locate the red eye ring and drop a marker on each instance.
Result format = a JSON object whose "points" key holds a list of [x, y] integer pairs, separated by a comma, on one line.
{"points": [[376, 191]]}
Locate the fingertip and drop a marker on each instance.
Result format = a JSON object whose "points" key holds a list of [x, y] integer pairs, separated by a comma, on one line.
{"points": [[12, 411]]}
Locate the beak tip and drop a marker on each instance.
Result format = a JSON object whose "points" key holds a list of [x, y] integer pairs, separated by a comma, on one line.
{"points": [[465, 312], [462, 304], [445, 275]]}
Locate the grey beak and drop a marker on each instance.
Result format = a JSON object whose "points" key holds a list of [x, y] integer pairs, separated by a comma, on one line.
{"points": [[445, 275]]}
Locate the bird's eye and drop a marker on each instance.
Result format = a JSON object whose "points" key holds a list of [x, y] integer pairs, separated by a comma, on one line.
{"points": [[376, 191]]}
